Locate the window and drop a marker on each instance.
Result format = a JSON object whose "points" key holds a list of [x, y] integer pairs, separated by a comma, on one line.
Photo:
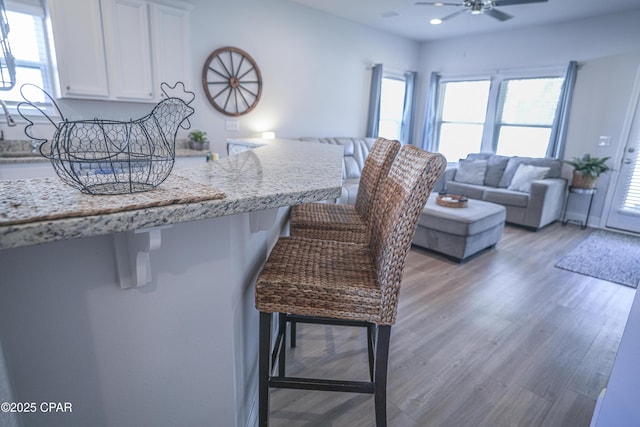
{"points": [[28, 45], [527, 110], [463, 113], [505, 115], [391, 107]]}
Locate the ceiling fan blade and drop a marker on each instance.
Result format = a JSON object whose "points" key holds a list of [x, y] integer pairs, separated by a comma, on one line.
{"points": [[437, 3], [515, 2], [453, 15], [495, 13]]}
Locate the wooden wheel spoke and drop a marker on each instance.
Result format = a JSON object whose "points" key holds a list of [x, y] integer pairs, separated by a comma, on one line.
{"points": [[233, 71], [221, 92], [246, 72], [224, 66], [237, 70], [248, 104], [226, 102], [248, 91], [219, 73], [235, 94]]}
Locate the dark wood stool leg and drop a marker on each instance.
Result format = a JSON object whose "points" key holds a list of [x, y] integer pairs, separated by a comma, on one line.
{"points": [[370, 346], [380, 375], [282, 334], [293, 333], [264, 370]]}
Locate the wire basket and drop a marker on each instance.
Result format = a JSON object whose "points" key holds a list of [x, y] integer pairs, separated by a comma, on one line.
{"points": [[114, 157]]}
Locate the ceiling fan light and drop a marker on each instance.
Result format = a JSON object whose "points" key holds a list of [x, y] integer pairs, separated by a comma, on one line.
{"points": [[435, 21], [438, 4]]}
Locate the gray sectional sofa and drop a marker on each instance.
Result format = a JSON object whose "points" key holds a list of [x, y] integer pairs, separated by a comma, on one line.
{"points": [[356, 151], [531, 189]]}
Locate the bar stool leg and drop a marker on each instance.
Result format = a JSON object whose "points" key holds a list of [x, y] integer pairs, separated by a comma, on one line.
{"points": [[282, 341], [264, 369], [370, 345], [380, 375], [293, 333]]}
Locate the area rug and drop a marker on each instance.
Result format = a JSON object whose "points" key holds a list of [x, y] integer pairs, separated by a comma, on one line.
{"points": [[614, 257]]}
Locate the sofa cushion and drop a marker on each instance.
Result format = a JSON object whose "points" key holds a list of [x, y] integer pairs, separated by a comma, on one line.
{"points": [[471, 171], [554, 165], [463, 189], [525, 175], [496, 165], [495, 169], [506, 197]]}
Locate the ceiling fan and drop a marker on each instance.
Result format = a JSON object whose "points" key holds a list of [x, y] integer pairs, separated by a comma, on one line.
{"points": [[477, 7]]}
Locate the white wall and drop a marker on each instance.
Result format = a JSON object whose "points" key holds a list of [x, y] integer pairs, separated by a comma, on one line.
{"points": [[315, 67], [606, 48]]}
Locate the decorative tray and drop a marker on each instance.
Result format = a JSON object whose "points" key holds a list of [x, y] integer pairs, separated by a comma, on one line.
{"points": [[451, 200]]}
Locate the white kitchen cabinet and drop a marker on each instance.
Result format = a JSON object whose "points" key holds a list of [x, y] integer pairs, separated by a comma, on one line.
{"points": [[119, 50], [79, 43], [170, 39], [128, 48]]}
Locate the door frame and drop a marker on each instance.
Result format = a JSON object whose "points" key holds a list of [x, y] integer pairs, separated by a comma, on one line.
{"points": [[634, 104]]}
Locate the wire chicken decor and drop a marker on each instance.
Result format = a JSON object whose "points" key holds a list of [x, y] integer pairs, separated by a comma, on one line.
{"points": [[115, 157]]}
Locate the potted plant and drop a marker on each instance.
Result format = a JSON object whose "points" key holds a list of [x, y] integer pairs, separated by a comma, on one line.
{"points": [[198, 140], [587, 169]]}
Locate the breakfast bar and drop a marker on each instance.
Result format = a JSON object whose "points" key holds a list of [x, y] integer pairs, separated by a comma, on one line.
{"points": [[138, 309]]}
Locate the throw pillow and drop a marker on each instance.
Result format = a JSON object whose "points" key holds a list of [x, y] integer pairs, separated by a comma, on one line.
{"points": [[495, 169], [525, 175], [471, 171], [554, 165]]}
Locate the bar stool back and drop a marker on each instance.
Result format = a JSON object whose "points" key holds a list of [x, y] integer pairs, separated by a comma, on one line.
{"points": [[347, 223], [346, 283]]}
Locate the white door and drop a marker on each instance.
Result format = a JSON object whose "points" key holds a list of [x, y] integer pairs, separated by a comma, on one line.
{"points": [[624, 212]]}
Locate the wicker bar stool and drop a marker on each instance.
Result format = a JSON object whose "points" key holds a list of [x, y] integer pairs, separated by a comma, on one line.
{"points": [[347, 223], [345, 283], [343, 222]]}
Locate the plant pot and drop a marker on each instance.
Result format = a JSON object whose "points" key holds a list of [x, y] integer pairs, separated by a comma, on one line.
{"points": [[199, 145], [583, 181]]}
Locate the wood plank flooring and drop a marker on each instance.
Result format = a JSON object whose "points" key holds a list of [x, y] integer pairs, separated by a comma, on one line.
{"points": [[505, 339]]}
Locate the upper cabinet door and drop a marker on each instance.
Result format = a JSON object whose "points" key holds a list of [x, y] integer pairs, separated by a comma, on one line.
{"points": [[128, 46], [120, 50], [79, 45], [170, 38]]}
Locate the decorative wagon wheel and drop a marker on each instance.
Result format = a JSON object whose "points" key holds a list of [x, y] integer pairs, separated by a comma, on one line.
{"points": [[232, 81]]}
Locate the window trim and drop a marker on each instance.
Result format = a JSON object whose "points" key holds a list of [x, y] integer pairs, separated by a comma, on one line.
{"points": [[440, 102], [491, 126], [398, 77], [46, 67]]}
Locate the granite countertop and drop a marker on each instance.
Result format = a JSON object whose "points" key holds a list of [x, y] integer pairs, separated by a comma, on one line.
{"points": [[280, 174], [21, 151]]}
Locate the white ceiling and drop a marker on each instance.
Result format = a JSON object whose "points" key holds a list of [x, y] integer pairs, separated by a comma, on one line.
{"points": [[412, 21]]}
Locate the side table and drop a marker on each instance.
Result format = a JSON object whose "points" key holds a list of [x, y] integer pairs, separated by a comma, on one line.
{"points": [[582, 193]]}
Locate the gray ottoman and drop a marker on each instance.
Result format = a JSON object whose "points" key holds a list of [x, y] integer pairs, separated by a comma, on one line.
{"points": [[460, 232]]}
